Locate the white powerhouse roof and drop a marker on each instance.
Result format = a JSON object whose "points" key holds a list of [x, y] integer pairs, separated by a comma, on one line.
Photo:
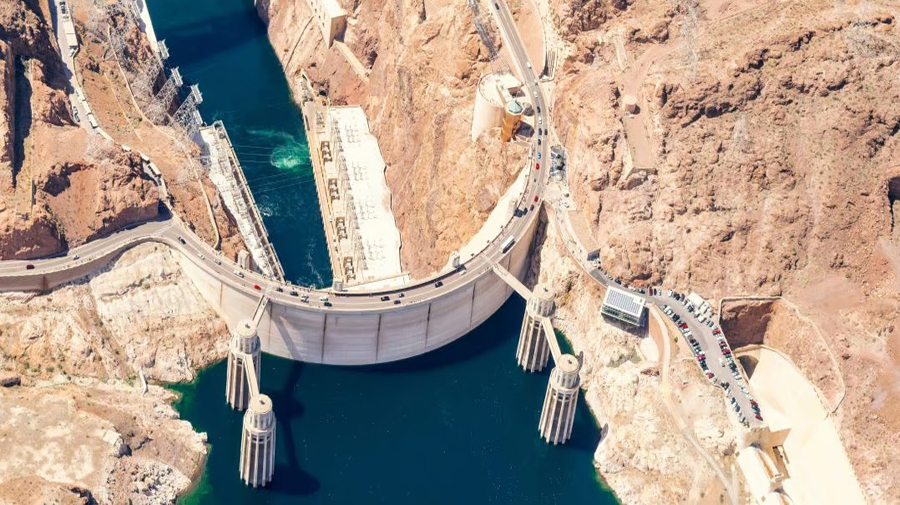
{"points": [[371, 196], [623, 301]]}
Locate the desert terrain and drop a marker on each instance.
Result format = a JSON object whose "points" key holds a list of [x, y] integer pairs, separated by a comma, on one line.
{"points": [[760, 168]]}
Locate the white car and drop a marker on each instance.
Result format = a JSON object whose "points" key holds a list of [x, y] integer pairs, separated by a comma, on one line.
{"points": [[239, 273]]}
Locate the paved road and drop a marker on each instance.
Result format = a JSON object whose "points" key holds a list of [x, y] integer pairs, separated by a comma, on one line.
{"points": [[171, 231], [709, 345], [69, 64]]}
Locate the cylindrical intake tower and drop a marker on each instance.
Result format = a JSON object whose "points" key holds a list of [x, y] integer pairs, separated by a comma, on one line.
{"points": [[244, 346], [558, 414], [534, 349], [258, 442]]}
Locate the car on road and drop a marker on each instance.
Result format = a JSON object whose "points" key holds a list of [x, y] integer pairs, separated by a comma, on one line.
{"points": [[181, 239], [29, 267], [75, 115], [323, 298], [539, 110], [239, 273], [396, 302], [438, 284], [76, 257], [539, 141], [304, 298], [326, 303], [539, 155], [497, 6], [279, 289], [294, 293], [385, 298], [257, 287], [201, 256], [539, 131], [537, 166]]}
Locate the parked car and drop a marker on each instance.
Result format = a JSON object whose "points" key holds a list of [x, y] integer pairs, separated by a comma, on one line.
{"points": [[29, 267]]}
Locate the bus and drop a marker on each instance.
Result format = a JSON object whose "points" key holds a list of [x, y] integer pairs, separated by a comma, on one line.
{"points": [[507, 244]]}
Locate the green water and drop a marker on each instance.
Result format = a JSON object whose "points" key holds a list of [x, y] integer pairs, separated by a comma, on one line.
{"points": [[458, 425]]}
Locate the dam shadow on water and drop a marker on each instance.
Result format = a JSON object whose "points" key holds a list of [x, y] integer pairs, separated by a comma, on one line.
{"points": [[458, 425]]}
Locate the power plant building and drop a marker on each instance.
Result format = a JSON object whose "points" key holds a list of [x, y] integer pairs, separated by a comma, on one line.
{"points": [[624, 306], [495, 105], [367, 235]]}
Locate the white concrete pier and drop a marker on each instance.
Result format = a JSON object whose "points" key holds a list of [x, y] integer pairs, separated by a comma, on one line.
{"points": [[534, 347], [258, 443], [558, 414], [245, 347]]}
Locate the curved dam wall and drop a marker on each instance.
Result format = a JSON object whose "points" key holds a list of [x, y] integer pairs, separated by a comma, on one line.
{"points": [[338, 337]]}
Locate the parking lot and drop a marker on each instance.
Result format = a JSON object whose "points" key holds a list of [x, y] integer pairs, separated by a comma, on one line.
{"points": [[699, 329], [710, 348]]}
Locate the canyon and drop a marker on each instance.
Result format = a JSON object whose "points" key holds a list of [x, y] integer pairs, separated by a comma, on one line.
{"points": [[761, 162]]}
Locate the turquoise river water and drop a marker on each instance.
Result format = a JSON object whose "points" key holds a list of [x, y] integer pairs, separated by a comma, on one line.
{"points": [[458, 425]]}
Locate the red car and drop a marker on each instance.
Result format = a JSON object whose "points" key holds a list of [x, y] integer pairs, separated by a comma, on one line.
{"points": [[709, 375], [535, 198], [758, 417], [726, 351], [537, 166], [683, 325], [716, 332], [256, 287]]}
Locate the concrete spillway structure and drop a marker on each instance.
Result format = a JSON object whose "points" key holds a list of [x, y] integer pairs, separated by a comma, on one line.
{"points": [[558, 414], [244, 346], [258, 442], [534, 348]]}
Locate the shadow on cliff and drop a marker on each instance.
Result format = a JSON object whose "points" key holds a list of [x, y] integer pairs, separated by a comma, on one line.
{"points": [[290, 477]]}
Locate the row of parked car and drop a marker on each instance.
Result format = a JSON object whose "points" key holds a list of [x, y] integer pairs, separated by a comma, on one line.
{"points": [[704, 316]]}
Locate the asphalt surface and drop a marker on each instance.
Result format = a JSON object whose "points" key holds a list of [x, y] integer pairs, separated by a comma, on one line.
{"points": [[171, 231], [716, 360], [69, 64]]}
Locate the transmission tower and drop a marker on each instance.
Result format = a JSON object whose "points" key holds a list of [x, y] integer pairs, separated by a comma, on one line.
{"points": [[187, 114], [162, 102]]}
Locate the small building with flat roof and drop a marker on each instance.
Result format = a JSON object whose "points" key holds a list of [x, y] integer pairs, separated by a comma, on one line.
{"points": [[624, 306]]}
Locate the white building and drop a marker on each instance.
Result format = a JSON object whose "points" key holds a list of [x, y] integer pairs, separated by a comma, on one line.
{"points": [[331, 18], [494, 93], [356, 174], [624, 306]]}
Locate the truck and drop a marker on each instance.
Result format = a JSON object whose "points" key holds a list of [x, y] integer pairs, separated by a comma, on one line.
{"points": [[507, 244]]}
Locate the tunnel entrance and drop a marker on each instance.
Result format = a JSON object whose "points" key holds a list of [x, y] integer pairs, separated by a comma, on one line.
{"points": [[894, 206]]}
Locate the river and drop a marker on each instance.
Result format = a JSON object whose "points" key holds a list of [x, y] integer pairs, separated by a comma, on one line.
{"points": [[458, 425]]}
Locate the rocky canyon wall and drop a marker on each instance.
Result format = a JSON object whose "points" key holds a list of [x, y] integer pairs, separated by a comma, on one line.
{"points": [[69, 384], [772, 128], [60, 186]]}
